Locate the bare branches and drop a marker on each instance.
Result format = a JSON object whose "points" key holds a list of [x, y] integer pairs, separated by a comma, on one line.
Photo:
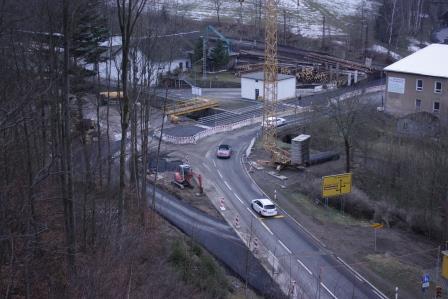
{"points": [[345, 115], [127, 17]]}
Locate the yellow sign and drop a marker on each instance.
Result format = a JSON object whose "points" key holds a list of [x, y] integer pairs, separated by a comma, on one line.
{"points": [[335, 185], [377, 225], [445, 264]]}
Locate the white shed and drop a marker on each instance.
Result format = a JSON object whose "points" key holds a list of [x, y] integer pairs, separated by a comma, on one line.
{"points": [[252, 86]]}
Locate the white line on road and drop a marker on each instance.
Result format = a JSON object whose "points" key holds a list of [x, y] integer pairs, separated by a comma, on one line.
{"points": [[286, 213], [219, 173], [284, 246], [306, 268], [205, 165], [328, 290], [374, 289], [303, 228], [214, 162], [236, 195], [251, 212], [378, 294], [266, 227], [228, 186]]}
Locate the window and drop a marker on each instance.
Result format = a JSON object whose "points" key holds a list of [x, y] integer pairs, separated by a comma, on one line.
{"points": [[436, 106], [181, 65], [419, 85], [438, 87], [418, 104]]}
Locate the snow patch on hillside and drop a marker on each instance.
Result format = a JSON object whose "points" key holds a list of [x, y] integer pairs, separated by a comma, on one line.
{"points": [[415, 45], [383, 50], [305, 19]]}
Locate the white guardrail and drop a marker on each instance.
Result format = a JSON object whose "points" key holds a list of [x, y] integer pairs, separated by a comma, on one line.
{"points": [[247, 122]]}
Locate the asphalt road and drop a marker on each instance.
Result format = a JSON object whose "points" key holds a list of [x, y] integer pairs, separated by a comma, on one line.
{"points": [[218, 238], [317, 271]]}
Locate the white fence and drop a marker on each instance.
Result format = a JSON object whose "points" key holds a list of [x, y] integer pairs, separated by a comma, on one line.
{"points": [[211, 131]]}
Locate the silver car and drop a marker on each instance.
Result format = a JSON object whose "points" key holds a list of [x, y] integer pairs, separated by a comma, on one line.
{"points": [[224, 151]]}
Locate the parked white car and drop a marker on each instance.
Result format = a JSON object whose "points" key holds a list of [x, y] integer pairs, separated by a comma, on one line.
{"points": [[274, 121], [264, 207]]}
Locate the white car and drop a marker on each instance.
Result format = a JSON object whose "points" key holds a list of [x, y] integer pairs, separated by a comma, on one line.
{"points": [[275, 121], [264, 207]]}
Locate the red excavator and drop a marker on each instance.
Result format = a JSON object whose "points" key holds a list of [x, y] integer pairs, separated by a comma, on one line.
{"points": [[184, 175]]}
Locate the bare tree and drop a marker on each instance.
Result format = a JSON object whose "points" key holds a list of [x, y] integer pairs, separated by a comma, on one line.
{"points": [[217, 4], [128, 13], [346, 116], [67, 170], [391, 25]]}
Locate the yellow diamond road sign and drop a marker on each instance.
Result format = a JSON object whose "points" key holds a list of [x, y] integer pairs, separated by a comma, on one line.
{"points": [[335, 185]]}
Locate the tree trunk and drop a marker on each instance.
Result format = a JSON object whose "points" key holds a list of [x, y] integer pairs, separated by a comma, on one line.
{"points": [[347, 155], [128, 13], [124, 124], [87, 178], [69, 216], [109, 154], [391, 29], [98, 127], [445, 218], [153, 203]]}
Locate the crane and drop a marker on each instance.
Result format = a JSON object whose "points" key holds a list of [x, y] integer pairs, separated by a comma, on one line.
{"points": [[270, 75], [270, 86]]}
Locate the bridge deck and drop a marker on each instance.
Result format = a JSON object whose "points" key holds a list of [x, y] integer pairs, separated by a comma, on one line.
{"points": [[190, 106]]}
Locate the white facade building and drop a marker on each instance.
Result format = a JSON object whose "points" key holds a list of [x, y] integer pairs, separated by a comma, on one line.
{"points": [[139, 63], [252, 86]]}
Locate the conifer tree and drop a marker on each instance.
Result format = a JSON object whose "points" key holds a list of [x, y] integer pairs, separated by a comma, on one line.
{"points": [[90, 32], [220, 55]]}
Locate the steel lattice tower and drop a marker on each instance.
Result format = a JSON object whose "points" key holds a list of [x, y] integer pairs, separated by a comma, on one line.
{"points": [[270, 76]]}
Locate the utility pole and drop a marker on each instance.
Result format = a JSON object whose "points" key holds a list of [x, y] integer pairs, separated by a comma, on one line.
{"points": [[323, 31], [240, 25], [438, 265], [241, 12], [284, 26], [366, 40], [204, 55]]}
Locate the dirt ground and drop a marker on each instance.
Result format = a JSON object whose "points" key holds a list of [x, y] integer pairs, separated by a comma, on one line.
{"points": [[188, 195], [167, 166], [401, 257]]}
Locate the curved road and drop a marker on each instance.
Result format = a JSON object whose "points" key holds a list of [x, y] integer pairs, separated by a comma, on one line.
{"points": [[317, 271]]}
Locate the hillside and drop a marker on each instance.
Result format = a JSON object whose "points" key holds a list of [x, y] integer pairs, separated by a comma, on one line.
{"points": [[305, 18]]}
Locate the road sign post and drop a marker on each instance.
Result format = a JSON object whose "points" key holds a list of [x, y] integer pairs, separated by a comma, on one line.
{"points": [[335, 185], [375, 239], [425, 282], [375, 227], [445, 264]]}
